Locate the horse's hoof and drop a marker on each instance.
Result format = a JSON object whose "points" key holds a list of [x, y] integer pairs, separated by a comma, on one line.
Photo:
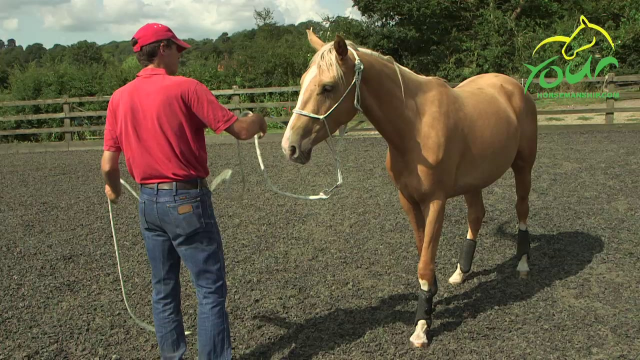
{"points": [[418, 342], [458, 277], [523, 267], [419, 337], [421, 345]]}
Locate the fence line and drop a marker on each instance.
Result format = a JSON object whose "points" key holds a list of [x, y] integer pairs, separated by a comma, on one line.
{"points": [[237, 91], [610, 83]]}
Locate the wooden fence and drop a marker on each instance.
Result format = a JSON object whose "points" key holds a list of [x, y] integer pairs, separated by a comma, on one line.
{"points": [[611, 84]]}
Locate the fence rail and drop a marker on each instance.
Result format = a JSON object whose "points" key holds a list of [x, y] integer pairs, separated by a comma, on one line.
{"points": [[610, 83]]}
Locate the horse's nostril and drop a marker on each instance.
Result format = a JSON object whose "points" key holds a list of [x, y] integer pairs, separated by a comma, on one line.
{"points": [[293, 151]]}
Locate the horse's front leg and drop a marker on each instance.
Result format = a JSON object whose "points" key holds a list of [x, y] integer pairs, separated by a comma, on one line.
{"points": [[416, 218], [434, 215]]}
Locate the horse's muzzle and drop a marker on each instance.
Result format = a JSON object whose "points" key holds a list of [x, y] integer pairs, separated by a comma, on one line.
{"points": [[298, 156]]}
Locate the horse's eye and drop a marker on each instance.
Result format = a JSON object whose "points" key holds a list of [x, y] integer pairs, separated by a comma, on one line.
{"points": [[327, 88]]}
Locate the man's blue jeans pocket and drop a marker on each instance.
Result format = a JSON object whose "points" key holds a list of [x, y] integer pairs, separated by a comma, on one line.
{"points": [[142, 214], [187, 216]]}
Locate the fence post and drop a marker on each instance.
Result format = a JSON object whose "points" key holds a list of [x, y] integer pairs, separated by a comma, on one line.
{"points": [[66, 109], [235, 99], [610, 89]]}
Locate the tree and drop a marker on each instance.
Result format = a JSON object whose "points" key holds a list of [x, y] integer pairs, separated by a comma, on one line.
{"points": [[85, 52], [264, 17], [33, 52]]}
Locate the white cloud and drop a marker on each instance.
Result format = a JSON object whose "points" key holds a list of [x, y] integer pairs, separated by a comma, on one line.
{"points": [[353, 13], [188, 18], [72, 15], [10, 24], [296, 11]]}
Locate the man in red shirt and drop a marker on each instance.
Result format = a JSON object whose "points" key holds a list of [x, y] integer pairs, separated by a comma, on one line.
{"points": [[158, 121]]}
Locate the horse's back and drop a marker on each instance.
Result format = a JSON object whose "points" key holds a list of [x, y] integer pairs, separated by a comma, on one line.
{"points": [[489, 101], [500, 90], [501, 86]]}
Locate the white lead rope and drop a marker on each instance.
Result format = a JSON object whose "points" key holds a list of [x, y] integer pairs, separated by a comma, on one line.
{"points": [[323, 195], [223, 176], [115, 244], [357, 78]]}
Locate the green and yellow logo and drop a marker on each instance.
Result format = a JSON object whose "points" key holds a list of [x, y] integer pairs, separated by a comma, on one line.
{"points": [[586, 68]]}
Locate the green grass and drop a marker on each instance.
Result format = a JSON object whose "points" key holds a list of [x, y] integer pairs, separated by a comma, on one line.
{"points": [[583, 117], [555, 118], [634, 119]]}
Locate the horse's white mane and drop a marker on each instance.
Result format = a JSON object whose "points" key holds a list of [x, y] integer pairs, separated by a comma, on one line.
{"points": [[325, 59]]}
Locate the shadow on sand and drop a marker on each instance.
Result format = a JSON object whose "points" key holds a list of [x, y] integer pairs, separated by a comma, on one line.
{"points": [[555, 257]]}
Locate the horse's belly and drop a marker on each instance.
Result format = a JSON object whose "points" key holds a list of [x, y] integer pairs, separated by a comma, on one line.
{"points": [[487, 157], [482, 172]]}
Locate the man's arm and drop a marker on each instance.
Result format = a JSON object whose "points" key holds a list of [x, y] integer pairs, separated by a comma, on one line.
{"points": [[111, 174], [111, 155], [247, 127], [217, 117]]}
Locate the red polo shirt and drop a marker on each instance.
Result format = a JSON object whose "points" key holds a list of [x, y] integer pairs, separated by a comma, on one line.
{"points": [[158, 122]]}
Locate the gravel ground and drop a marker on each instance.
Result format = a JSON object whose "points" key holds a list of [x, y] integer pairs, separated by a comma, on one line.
{"points": [[333, 279]]}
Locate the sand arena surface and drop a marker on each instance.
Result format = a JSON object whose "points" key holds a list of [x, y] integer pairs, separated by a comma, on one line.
{"points": [[333, 279]]}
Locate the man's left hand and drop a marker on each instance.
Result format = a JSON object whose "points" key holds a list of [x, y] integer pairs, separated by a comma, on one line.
{"points": [[112, 194], [111, 174]]}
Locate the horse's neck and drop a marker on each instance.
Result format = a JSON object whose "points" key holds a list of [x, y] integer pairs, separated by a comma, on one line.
{"points": [[394, 117]]}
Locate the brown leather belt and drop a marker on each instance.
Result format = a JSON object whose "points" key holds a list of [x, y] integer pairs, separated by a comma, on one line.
{"points": [[180, 185]]}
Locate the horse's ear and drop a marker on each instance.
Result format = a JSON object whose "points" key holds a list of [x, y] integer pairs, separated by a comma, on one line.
{"points": [[315, 41], [584, 21], [341, 46]]}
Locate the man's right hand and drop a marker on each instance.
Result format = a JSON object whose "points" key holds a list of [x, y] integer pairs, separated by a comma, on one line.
{"points": [[247, 126]]}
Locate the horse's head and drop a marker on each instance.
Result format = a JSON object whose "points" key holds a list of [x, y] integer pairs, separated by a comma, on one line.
{"points": [[326, 99]]}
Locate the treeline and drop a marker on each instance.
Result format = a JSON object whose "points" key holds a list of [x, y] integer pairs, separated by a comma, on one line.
{"points": [[450, 39], [268, 55]]}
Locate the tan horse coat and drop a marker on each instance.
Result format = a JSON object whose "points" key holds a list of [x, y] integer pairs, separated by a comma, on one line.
{"points": [[443, 142]]}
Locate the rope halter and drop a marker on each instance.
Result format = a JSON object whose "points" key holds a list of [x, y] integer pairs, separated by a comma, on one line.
{"points": [[356, 81], [359, 67]]}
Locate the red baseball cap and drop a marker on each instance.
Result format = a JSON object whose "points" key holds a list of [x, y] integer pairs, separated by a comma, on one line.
{"points": [[152, 32]]}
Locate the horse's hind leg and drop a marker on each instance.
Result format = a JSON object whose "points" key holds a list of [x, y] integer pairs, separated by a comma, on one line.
{"points": [[522, 167], [475, 215]]}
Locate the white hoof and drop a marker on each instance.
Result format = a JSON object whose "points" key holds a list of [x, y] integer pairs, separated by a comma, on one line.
{"points": [[523, 267], [458, 277], [419, 337]]}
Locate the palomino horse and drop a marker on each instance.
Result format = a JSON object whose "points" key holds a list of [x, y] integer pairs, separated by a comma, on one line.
{"points": [[443, 143]]}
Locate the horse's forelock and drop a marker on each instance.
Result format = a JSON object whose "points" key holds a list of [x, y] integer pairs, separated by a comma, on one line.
{"points": [[327, 63]]}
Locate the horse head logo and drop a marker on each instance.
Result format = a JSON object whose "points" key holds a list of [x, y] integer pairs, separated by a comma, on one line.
{"points": [[584, 23]]}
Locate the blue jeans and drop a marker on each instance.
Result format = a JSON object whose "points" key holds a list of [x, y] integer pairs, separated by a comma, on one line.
{"points": [[177, 226]]}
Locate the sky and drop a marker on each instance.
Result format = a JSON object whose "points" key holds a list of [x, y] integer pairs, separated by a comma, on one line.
{"points": [[65, 22]]}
